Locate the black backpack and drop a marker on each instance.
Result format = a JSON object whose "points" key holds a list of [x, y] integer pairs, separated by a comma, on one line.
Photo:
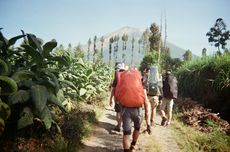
{"points": [[170, 87]]}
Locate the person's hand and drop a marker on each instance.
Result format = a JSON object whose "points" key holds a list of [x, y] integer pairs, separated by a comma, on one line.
{"points": [[148, 129], [111, 103]]}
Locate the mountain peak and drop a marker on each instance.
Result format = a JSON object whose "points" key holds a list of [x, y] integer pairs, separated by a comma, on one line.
{"points": [[124, 30]]}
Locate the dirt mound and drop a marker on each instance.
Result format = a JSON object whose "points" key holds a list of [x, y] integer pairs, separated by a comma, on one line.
{"points": [[196, 115]]}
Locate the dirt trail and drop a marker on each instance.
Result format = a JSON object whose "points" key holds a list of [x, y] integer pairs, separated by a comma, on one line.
{"points": [[104, 139]]}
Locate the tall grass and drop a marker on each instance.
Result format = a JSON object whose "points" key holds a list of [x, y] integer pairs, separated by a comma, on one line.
{"points": [[195, 78]]}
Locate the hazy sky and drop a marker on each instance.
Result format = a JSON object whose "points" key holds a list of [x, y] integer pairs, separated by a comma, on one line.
{"points": [[74, 21]]}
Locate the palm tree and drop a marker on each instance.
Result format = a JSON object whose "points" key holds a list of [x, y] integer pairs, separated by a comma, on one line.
{"points": [[89, 43]]}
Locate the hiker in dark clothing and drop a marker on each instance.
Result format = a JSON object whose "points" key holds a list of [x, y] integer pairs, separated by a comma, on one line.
{"points": [[169, 94], [119, 67]]}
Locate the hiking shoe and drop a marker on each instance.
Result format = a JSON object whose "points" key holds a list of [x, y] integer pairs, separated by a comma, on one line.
{"points": [[133, 148], [163, 122], [117, 128], [168, 123]]}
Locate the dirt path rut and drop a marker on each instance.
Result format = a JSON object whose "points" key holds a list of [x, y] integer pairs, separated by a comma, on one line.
{"points": [[104, 139]]}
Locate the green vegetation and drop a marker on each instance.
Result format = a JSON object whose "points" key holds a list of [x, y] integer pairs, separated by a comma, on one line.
{"points": [[207, 81], [199, 76], [189, 139], [41, 90]]}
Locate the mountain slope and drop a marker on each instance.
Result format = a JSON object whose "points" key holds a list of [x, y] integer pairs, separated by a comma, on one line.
{"points": [[138, 52]]}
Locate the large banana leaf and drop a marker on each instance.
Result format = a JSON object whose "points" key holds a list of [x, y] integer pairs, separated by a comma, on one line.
{"points": [[26, 118], [39, 96]]}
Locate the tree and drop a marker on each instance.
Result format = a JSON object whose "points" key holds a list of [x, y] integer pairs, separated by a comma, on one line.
{"points": [[149, 59], [218, 35], [145, 38], [139, 43], [133, 40], [204, 52], [116, 39], [94, 48], [124, 38], [78, 51], [187, 55], [155, 37], [89, 43], [111, 40], [102, 44], [69, 49]]}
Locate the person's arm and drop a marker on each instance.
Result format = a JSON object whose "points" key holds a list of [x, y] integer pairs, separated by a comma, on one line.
{"points": [[111, 97], [111, 103], [147, 112]]}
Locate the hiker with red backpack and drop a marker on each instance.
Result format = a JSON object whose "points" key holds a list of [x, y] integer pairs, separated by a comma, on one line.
{"points": [[169, 94], [132, 96], [119, 67]]}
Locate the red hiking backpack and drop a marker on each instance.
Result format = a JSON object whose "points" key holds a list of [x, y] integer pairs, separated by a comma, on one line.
{"points": [[129, 90]]}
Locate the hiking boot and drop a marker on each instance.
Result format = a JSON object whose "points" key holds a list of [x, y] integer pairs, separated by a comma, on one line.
{"points": [[117, 128], [163, 122], [168, 123], [133, 148]]}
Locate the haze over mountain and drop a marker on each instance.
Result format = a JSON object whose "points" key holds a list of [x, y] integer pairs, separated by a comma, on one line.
{"points": [[138, 52]]}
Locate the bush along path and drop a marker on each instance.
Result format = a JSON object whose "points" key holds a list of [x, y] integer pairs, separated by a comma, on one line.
{"points": [[105, 139]]}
